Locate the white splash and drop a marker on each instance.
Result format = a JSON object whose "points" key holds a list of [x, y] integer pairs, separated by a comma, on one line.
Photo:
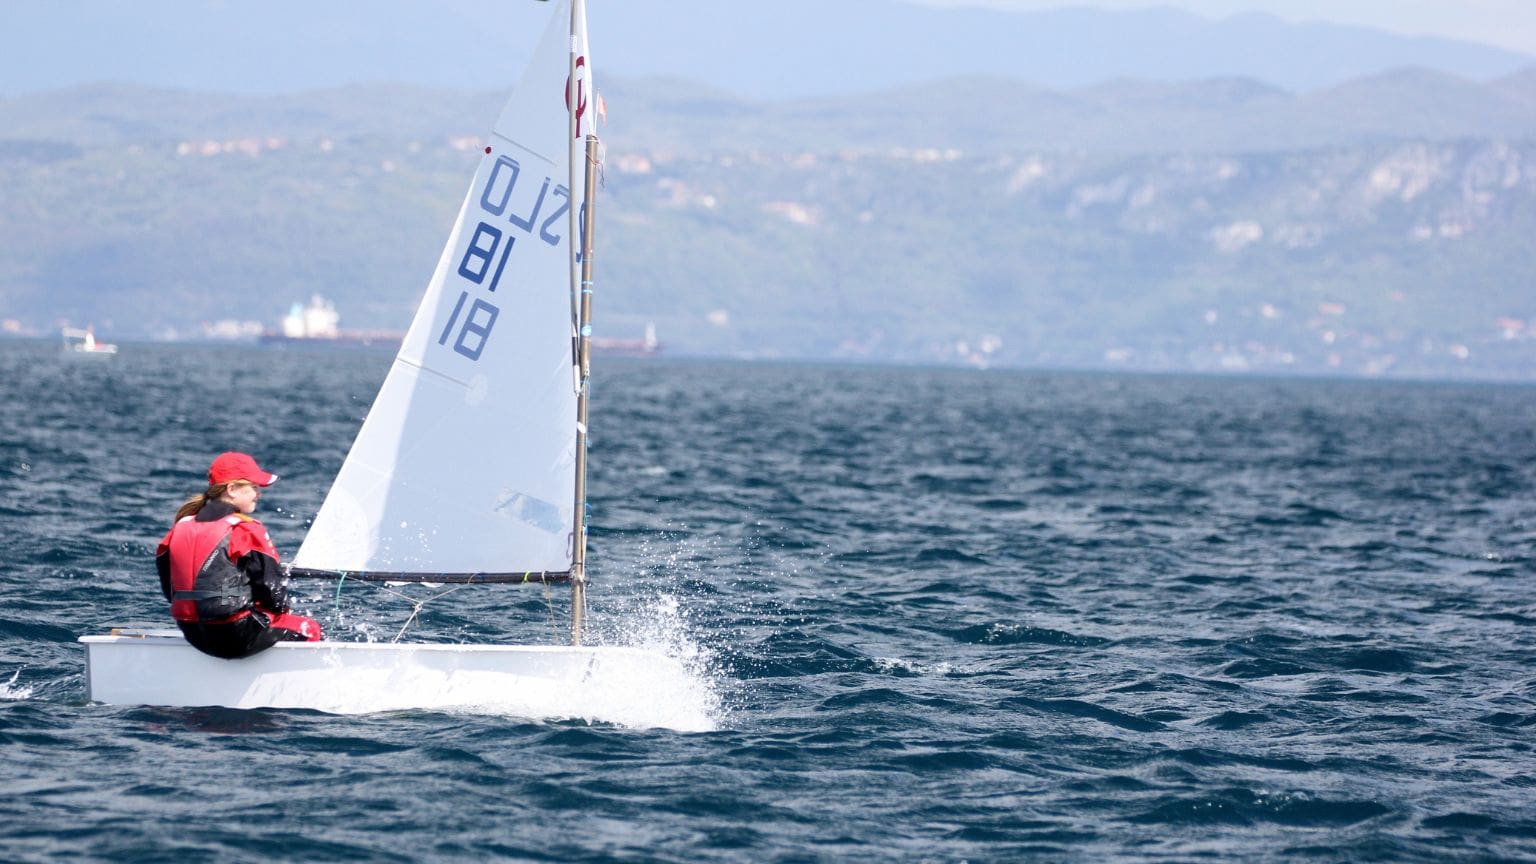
{"points": [[642, 688], [912, 667], [680, 692], [10, 691]]}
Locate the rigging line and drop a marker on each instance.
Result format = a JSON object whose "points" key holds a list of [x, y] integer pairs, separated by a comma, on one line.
{"points": [[416, 605], [339, 583], [598, 157], [415, 610], [549, 604]]}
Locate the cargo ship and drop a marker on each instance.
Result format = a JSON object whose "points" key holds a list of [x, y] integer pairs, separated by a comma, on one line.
{"points": [[316, 325]]}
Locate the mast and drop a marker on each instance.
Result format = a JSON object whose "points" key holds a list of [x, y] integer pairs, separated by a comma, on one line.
{"points": [[584, 363], [581, 309]]}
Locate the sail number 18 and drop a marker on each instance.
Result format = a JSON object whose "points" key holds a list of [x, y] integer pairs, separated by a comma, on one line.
{"points": [[490, 247]]}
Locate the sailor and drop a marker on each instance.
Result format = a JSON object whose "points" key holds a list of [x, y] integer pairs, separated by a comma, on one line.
{"points": [[220, 570]]}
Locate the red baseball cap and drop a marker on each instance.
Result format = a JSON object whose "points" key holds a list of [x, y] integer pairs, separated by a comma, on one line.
{"points": [[229, 467]]}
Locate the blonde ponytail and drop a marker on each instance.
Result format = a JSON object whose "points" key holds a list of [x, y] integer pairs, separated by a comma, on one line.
{"points": [[196, 502]]}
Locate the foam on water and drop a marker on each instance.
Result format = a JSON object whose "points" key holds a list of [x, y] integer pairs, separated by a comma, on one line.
{"points": [[648, 690], [897, 665], [672, 682], [9, 690], [658, 694], [677, 686], [685, 691]]}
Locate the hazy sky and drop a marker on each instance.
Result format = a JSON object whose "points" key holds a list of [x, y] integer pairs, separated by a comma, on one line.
{"points": [[1506, 23]]}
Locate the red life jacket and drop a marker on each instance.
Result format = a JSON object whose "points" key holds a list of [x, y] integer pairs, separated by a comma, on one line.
{"points": [[207, 585]]}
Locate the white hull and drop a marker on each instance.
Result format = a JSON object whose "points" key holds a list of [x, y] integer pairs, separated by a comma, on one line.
{"points": [[627, 686]]}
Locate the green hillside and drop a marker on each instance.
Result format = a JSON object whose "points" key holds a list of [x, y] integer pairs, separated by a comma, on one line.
{"points": [[153, 214]]}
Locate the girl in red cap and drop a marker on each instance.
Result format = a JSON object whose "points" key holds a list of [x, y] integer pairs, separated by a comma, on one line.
{"points": [[220, 571]]}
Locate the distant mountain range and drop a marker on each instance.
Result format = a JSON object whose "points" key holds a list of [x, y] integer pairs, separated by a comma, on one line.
{"points": [[1380, 227], [1124, 116], [786, 49]]}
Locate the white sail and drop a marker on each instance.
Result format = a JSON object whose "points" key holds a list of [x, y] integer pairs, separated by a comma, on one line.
{"points": [[466, 461]]}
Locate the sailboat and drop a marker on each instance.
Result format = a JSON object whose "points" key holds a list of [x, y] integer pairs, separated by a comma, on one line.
{"points": [[470, 466]]}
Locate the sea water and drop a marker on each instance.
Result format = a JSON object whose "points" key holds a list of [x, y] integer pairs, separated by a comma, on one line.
{"points": [[944, 615]]}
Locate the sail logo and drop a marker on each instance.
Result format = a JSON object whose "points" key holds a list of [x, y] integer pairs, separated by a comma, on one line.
{"points": [[496, 200], [490, 247], [581, 93]]}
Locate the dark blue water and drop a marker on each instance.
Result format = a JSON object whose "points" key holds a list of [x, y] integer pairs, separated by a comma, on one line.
{"points": [[949, 616]]}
